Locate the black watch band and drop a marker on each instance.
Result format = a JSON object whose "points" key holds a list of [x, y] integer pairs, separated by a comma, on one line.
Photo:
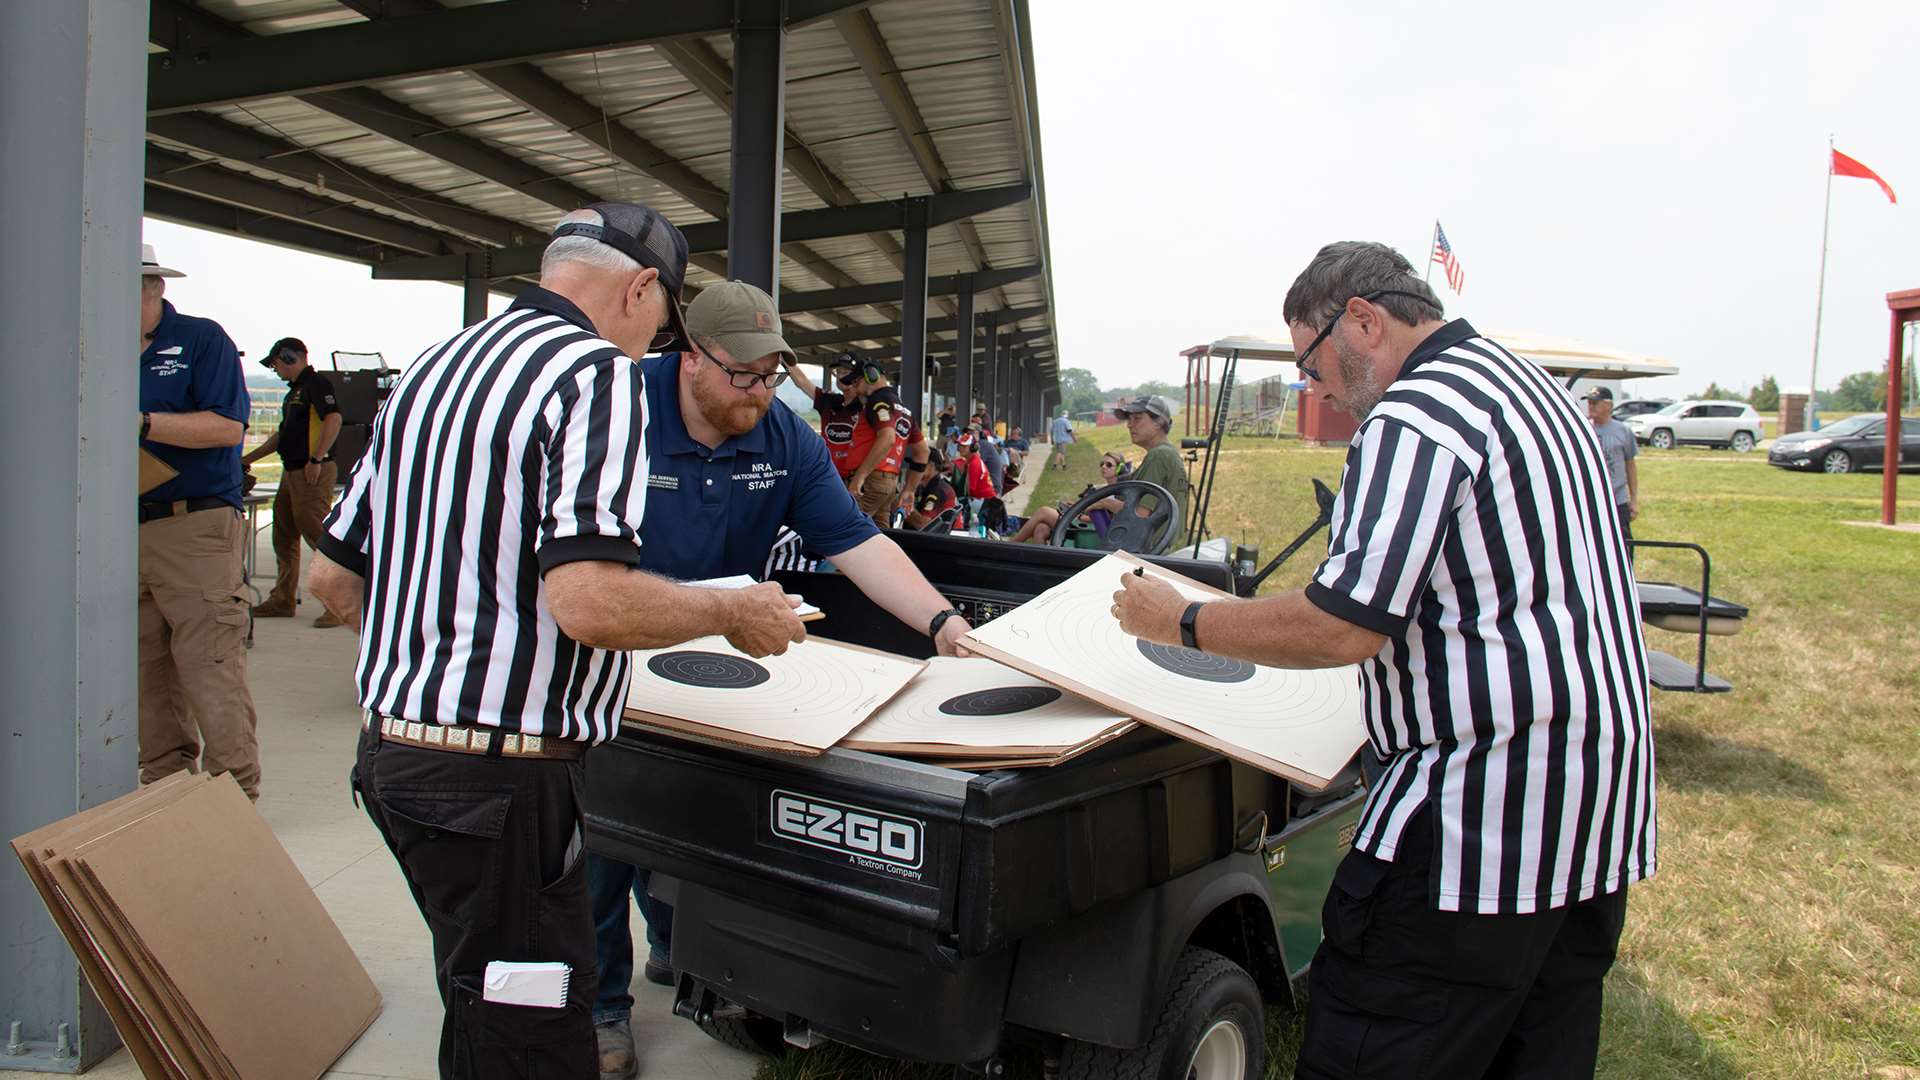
{"points": [[146, 424], [1187, 618], [940, 620]]}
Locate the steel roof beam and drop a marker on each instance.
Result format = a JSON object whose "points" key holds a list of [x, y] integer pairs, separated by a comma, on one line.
{"points": [[168, 204], [186, 29], [242, 145], [452, 39], [213, 181], [797, 225], [877, 331], [862, 35], [857, 295]]}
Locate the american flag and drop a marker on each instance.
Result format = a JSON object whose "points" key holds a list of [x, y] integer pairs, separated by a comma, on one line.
{"points": [[1443, 254]]}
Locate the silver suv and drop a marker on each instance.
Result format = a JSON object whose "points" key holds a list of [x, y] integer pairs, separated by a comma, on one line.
{"points": [[1732, 424]]}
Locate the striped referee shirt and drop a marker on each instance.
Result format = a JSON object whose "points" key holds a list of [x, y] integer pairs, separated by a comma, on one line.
{"points": [[510, 449], [1475, 529]]}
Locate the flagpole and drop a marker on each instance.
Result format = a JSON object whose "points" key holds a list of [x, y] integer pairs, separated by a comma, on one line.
{"points": [[1820, 296], [1434, 240]]}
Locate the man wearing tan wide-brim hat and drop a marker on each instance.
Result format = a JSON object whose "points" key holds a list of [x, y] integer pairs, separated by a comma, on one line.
{"points": [[195, 709]]}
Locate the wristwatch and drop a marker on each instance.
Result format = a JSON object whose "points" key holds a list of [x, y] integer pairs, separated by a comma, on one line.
{"points": [[146, 424], [321, 460], [1186, 624], [940, 620]]}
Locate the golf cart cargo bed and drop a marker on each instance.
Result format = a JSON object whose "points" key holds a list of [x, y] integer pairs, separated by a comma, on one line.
{"points": [[994, 856]]}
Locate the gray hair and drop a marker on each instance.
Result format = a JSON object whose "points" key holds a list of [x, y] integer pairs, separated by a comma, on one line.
{"points": [[1349, 268], [582, 249]]}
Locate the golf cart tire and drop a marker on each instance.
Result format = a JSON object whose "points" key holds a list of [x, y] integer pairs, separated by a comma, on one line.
{"points": [[1742, 442], [745, 1030], [1206, 988], [1837, 462], [1655, 440]]}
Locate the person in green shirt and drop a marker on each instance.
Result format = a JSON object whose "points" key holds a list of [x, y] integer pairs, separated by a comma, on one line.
{"points": [[1149, 420]]}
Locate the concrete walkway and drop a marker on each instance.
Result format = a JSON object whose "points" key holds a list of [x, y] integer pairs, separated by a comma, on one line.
{"points": [[309, 722]]}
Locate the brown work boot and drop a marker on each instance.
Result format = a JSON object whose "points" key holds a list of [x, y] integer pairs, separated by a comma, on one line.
{"points": [[615, 1041], [326, 621], [273, 609]]}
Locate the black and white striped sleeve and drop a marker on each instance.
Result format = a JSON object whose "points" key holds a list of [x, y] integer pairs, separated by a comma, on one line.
{"points": [[1395, 511], [343, 535], [594, 471]]}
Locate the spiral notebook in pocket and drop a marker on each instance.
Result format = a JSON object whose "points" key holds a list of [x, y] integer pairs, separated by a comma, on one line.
{"points": [[542, 985]]}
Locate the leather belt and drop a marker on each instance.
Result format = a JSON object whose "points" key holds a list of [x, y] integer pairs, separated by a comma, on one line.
{"points": [[462, 739], [154, 511]]}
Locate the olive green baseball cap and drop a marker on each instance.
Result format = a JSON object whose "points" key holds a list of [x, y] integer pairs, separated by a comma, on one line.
{"points": [[741, 319]]}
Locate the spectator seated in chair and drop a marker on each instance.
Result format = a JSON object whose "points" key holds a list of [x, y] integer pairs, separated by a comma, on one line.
{"points": [[1040, 526]]}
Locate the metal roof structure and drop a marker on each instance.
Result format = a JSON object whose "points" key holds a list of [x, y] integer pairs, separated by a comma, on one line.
{"points": [[442, 139]]}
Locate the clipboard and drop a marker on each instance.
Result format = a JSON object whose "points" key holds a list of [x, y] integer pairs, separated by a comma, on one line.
{"points": [[153, 471]]}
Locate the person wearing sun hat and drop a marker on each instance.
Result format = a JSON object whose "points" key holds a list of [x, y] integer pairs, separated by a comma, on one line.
{"points": [[196, 711], [729, 467]]}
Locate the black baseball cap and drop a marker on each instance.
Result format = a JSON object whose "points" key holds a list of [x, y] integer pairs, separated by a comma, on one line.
{"points": [[284, 345], [1599, 393], [641, 234]]}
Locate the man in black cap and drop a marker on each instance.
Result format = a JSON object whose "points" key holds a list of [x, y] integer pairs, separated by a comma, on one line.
{"points": [[1619, 448], [492, 537], [309, 424]]}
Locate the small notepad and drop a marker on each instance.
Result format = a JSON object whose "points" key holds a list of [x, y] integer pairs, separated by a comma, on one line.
{"points": [[543, 985], [806, 612]]}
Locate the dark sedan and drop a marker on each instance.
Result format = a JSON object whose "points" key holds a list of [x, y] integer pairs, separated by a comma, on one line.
{"points": [[1844, 446]]}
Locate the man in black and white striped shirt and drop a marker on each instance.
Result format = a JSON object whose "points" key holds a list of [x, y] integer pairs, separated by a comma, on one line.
{"points": [[487, 546], [1477, 574]]}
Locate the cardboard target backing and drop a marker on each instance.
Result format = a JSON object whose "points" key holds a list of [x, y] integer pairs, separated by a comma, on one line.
{"points": [[1302, 725], [973, 707], [802, 701]]}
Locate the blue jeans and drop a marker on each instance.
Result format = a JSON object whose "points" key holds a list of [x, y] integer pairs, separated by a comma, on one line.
{"points": [[609, 882]]}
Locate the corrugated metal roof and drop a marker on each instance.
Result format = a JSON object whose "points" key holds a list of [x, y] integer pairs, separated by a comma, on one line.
{"points": [[952, 56]]}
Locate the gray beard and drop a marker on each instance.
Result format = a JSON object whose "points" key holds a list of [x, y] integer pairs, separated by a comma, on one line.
{"points": [[1362, 383]]}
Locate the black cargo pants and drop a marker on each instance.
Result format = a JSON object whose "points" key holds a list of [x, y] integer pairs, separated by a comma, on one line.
{"points": [[1401, 989], [493, 850]]}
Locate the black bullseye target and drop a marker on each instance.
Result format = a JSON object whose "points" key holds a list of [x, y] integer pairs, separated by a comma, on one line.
{"points": [[1000, 701], [1193, 664], [708, 670]]}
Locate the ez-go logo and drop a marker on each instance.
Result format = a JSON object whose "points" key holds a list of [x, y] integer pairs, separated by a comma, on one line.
{"points": [[849, 830]]}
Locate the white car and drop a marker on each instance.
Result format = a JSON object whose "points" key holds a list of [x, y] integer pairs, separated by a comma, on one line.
{"points": [[1732, 424]]}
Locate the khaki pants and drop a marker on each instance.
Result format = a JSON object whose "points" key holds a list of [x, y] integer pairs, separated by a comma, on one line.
{"points": [[299, 509], [879, 495], [194, 701]]}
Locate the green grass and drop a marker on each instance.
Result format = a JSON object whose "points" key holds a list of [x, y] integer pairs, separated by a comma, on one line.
{"points": [[1780, 936]]}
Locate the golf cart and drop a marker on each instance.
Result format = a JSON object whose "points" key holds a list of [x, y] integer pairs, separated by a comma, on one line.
{"points": [[1132, 908]]}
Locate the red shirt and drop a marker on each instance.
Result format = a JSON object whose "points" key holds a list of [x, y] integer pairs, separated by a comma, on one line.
{"points": [[884, 416], [979, 484], [839, 419]]}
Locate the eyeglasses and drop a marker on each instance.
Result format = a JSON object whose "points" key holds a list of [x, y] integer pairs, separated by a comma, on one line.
{"points": [[1109, 465], [753, 378], [1313, 371]]}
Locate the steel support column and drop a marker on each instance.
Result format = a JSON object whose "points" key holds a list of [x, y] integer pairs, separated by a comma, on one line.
{"points": [[963, 343], [759, 133], [72, 103], [474, 300], [913, 311]]}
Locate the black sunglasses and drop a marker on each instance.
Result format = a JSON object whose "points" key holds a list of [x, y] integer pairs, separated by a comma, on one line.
{"points": [[1313, 371], [771, 378]]}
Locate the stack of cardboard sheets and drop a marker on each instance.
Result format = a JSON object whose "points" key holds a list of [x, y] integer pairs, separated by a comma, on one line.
{"points": [[199, 935]]}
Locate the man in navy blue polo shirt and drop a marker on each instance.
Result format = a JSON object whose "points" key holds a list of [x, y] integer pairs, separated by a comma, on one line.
{"points": [[195, 708], [727, 467]]}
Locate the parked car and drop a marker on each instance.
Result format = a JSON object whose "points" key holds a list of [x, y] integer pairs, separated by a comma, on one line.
{"points": [[1858, 442], [1626, 410], [1732, 424]]}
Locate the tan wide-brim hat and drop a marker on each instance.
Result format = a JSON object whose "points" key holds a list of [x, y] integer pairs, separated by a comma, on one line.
{"points": [[741, 319], [150, 264]]}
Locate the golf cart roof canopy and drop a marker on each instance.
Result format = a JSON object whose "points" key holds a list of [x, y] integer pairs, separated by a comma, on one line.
{"points": [[1579, 360], [1250, 347]]}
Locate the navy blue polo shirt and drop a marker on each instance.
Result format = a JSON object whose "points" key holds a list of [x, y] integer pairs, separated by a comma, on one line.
{"points": [[714, 513], [191, 365]]}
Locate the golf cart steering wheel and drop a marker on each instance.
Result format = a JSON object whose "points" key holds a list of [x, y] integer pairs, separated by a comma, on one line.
{"points": [[942, 522], [1128, 531]]}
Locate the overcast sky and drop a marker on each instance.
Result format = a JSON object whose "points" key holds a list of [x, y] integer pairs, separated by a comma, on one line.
{"points": [[1645, 177]]}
